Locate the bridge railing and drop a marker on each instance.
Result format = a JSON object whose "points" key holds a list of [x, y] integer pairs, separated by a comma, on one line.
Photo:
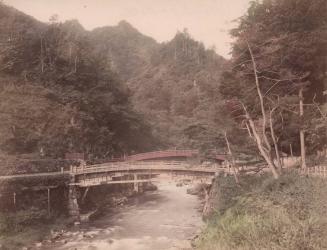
{"points": [[161, 154], [165, 154], [125, 166]]}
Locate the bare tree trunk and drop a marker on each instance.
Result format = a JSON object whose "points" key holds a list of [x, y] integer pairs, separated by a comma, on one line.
{"points": [[175, 53], [248, 129], [42, 56], [291, 150], [302, 139], [70, 53], [263, 151], [264, 118], [232, 158], [263, 144], [75, 64], [279, 163]]}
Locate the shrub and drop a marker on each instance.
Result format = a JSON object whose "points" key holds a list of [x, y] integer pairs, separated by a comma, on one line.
{"points": [[264, 213]]}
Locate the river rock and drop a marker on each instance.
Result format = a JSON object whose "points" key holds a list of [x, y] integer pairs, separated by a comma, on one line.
{"points": [[150, 187], [89, 235], [179, 184], [196, 190], [181, 245], [39, 244], [77, 223]]}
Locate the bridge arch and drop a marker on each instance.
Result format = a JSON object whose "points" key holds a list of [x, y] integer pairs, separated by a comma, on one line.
{"points": [[172, 154]]}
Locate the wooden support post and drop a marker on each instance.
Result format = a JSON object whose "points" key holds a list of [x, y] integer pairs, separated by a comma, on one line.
{"points": [[84, 195], [136, 186], [62, 170], [49, 208], [73, 207]]}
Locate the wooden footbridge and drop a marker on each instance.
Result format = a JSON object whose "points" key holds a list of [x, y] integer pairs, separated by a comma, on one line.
{"points": [[157, 161], [111, 173], [138, 170]]}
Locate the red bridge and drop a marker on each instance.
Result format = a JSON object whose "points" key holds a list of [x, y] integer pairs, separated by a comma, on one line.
{"points": [[170, 154]]}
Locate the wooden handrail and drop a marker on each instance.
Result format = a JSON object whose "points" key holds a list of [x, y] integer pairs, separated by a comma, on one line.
{"points": [[125, 166]]}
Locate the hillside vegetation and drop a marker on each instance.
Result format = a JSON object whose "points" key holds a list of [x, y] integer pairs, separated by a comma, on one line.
{"points": [[262, 213], [104, 93], [274, 88], [178, 91]]}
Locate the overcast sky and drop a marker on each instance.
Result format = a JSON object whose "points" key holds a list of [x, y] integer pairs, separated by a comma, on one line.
{"points": [[206, 20]]}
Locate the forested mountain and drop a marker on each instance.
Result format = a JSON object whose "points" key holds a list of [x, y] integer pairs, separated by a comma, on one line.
{"points": [[126, 49], [178, 90], [58, 94], [108, 91], [174, 84]]}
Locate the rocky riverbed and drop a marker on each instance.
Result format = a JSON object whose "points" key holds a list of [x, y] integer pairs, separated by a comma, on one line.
{"points": [[167, 218]]}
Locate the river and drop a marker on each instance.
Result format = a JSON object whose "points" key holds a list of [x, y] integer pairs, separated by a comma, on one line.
{"points": [[156, 220]]}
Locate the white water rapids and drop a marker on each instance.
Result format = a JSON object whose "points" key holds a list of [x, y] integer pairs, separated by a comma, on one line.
{"points": [[158, 220]]}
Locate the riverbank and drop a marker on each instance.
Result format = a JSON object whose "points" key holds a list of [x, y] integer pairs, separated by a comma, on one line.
{"points": [[28, 224], [263, 213], [23, 229], [167, 218]]}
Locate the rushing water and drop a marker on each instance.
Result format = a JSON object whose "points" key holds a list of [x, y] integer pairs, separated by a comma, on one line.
{"points": [[164, 219]]}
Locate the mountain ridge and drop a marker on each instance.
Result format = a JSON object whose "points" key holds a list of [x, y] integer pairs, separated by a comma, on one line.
{"points": [[166, 86]]}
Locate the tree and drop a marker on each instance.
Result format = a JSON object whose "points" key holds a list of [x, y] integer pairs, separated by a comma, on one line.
{"points": [[274, 58], [69, 105]]}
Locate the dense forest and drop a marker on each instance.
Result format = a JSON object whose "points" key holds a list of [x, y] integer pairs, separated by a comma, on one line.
{"points": [[275, 83], [104, 92], [113, 90]]}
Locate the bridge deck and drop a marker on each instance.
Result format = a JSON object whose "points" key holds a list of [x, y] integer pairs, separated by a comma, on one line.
{"points": [[94, 182], [45, 174], [123, 167], [147, 166]]}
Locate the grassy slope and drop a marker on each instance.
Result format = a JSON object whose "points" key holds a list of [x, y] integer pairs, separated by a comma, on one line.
{"points": [[25, 228], [267, 214]]}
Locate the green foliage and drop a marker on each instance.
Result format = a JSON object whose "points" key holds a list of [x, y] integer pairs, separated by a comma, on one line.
{"points": [[289, 40], [74, 96], [59, 93], [24, 228], [263, 213], [15, 222], [178, 92]]}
